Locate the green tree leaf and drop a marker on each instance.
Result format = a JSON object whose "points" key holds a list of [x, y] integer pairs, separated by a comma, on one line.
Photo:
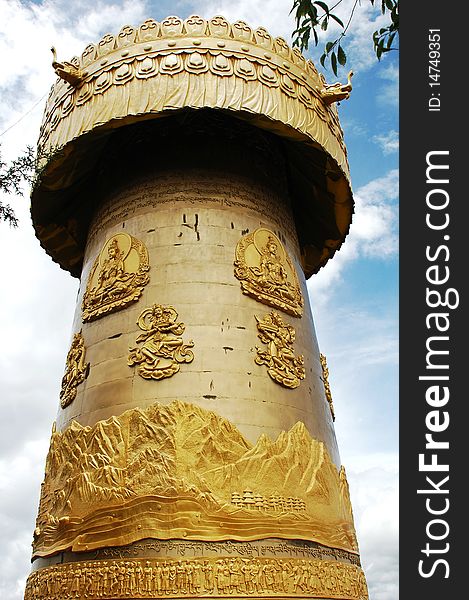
{"points": [[341, 56], [334, 63]]}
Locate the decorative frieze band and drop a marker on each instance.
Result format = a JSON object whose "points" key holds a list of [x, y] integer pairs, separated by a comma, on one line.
{"points": [[238, 68], [220, 577]]}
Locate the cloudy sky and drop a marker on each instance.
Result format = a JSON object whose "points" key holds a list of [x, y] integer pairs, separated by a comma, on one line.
{"points": [[354, 299]]}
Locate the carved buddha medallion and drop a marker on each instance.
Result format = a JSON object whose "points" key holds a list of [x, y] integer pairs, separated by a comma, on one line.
{"points": [[267, 273], [117, 277]]}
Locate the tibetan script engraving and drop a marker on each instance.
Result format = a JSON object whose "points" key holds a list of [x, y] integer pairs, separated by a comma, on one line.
{"points": [[282, 364], [76, 370], [162, 349], [267, 273], [117, 278]]}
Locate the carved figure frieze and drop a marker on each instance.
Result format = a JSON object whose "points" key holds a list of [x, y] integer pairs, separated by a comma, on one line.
{"points": [[223, 576], [176, 469], [283, 365], [117, 277], [162, 349], [76, 370], [267, 273], [327, 387]]}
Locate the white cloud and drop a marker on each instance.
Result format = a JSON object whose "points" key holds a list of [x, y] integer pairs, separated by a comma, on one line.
{"points": [[373, 233], [389, 142], [389, 93], [374, 491]]}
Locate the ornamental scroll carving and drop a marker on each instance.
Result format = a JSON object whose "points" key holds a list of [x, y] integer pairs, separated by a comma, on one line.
{"points": [[228, 66], [267, 273], [162, 349], [217, 577], [327, 387], [117, 277], [76, 370], [283, 365], [175, 470]]}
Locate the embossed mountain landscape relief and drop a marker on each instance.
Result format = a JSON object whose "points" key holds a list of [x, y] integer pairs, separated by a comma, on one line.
{"points": [[183, 471]]}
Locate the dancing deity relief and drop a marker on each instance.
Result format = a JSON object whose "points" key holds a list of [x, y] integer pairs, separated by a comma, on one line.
{"points": [[117, 278], [327, 387], [162, 349], [76, 370], [267, 273], [282, 364]]}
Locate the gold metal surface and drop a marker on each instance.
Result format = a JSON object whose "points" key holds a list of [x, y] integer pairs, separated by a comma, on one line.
{"points": [[158, 67], [76, 370], [157, 70], [193, 143], [67, 71], [222, 577], [327, 387], [337, 91], [267, 273], [171, 472], [117, 278], [282, 364], [162, 349]]}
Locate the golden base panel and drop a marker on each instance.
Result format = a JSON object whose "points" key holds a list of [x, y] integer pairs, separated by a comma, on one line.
{"points": [[272, 518]]}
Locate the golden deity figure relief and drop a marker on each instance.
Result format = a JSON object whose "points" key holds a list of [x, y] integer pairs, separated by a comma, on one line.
{"points": [[117, 277], [267, 273], [76, 370], [162, 348], [282, 364], [327, 387]]}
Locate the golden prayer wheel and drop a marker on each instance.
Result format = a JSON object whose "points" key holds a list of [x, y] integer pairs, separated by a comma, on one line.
{"points": [[192, 175]]}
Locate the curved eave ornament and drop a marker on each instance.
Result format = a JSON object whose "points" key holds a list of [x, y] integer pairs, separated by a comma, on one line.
{"points": [[158, 68]]}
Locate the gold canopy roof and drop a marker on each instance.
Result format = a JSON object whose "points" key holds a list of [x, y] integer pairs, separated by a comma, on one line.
{"points": [[162, 68]]}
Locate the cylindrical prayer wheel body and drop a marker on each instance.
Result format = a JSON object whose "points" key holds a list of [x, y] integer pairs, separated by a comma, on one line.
{"points": [[194, 452]]}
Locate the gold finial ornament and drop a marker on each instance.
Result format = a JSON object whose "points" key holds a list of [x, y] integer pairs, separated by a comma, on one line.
{"points": [[198, 458], [162, 350], [267, 273], [337, 91], [69, 72], [117, 277], [76, 370], [282, 364]]}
